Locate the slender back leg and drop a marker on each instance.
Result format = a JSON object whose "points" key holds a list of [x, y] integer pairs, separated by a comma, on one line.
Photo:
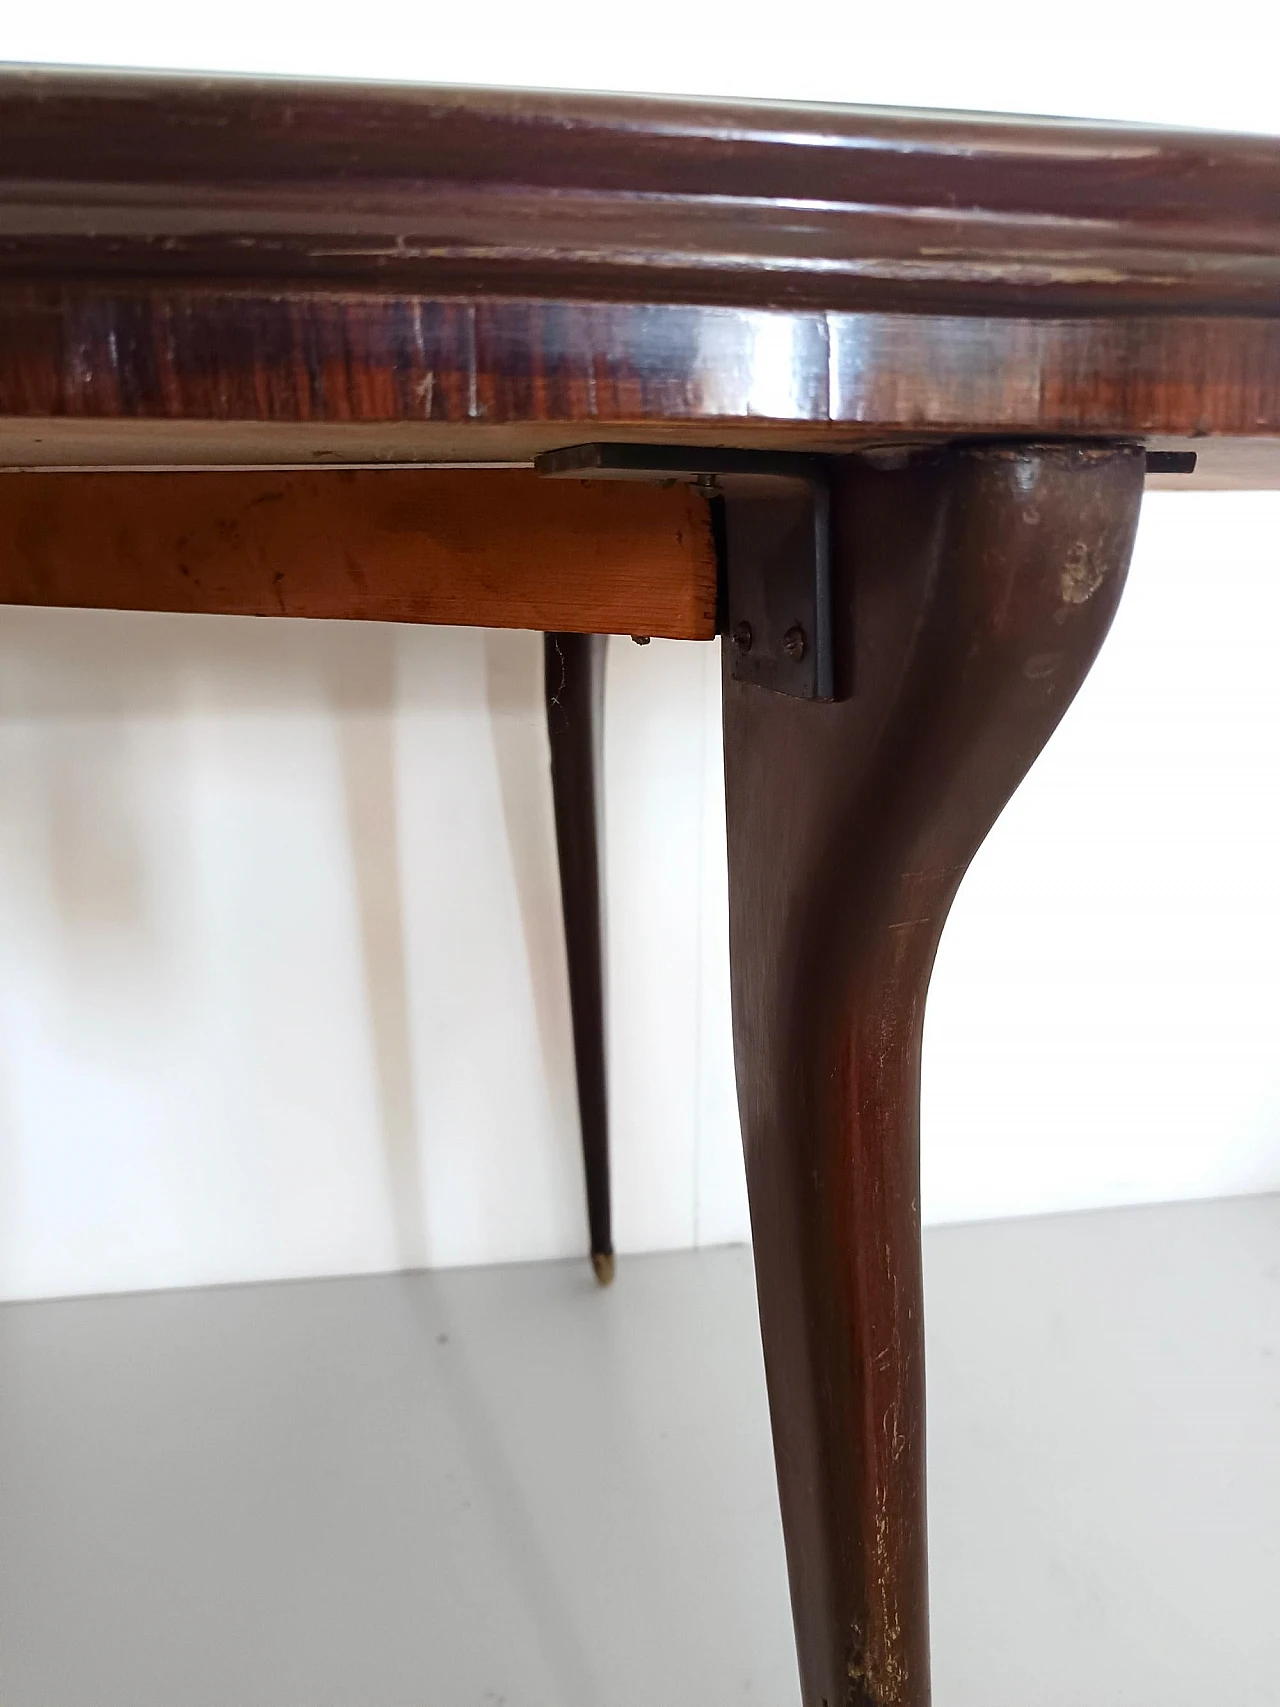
{"points": [[575, 724]]}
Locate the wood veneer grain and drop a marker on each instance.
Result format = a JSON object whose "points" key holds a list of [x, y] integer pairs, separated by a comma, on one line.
{"points": [[507, 374]]}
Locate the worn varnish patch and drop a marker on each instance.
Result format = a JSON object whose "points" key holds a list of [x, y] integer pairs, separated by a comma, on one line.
{"points": [[499, 549]]}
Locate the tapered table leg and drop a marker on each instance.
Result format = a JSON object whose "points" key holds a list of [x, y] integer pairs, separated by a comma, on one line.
{"points": [[575, 724], [974, 588]]}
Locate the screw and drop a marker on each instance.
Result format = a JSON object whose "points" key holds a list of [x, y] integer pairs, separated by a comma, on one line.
{"points": [[793, 642], [742, 636], [641, 639]]}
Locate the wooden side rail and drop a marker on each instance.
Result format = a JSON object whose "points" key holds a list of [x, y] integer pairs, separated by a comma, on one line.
{"points": [[498, 548]]}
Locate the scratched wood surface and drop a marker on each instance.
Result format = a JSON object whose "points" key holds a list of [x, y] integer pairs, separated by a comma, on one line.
{"points": [[500, 549], [467, 191], [483, 274], [180, 355]]}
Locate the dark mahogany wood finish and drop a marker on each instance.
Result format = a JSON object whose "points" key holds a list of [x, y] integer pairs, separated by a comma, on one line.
{"points": [[975, 588], [471, 191], [575, 724], [330, 271]]}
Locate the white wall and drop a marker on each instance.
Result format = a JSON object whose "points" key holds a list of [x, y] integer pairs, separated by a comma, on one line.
{"points": [[282, 983], [1176, 64], [281, 979]]}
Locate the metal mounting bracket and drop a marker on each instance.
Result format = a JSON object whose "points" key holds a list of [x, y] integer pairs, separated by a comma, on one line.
{"points": [[774, 532]]}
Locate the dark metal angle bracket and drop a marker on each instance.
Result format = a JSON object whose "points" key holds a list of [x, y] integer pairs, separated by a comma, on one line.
{"points": [[775, 527]]}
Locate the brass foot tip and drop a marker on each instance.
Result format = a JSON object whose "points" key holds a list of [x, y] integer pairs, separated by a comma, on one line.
{"points": [[603, 1263]]}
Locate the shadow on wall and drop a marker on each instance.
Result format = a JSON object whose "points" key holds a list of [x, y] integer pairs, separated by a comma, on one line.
{"points": [[93, 851], [513, 671], [360, 684]]}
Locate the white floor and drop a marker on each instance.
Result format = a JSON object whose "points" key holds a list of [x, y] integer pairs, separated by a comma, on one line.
{"points": [[503, 1488]]}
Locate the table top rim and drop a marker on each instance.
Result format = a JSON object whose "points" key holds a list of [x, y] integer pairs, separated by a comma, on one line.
{"points": [[441, 190], [182, 249]]}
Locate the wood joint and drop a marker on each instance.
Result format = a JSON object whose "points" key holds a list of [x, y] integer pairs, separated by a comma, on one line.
{"points": [[775, 547]]}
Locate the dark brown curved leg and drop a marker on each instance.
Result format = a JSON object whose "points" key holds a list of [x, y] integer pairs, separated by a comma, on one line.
{"points": [[575, 723], [973, 591]]}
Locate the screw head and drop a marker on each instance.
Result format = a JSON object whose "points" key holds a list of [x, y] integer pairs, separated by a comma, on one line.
{"points": [[641, 639], [793, 642], [742, 636]]}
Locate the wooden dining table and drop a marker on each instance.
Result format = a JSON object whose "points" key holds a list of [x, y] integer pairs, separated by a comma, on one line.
{"points": [[872, 396]]}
